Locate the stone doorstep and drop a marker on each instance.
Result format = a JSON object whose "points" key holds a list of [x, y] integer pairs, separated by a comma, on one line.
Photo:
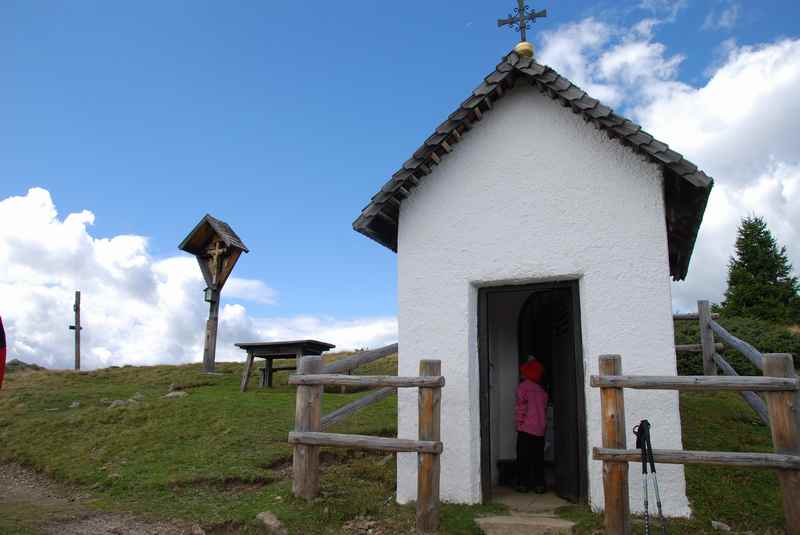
{"points": [[529, 503], [525, 524]]}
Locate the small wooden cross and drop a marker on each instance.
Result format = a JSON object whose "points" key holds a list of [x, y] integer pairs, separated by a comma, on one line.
{"points": [[215, 254], [521, 19]]}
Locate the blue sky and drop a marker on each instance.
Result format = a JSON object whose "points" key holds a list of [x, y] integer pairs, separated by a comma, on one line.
{"points": [[282, 118]]}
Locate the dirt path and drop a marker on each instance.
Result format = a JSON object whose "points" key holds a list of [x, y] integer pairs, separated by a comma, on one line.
{"points": [[30, 503]]}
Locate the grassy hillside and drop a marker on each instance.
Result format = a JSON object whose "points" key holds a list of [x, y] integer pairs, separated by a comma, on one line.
{"points": [[218, 457], [215, 456]]}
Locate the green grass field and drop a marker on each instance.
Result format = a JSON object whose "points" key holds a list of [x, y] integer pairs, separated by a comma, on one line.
{"points": [[218, 457]]}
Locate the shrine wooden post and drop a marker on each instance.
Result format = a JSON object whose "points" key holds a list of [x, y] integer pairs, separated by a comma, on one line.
{"points": [[77, 328], [217, 249]]}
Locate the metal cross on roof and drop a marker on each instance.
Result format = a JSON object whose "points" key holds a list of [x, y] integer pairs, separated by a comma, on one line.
{"points": [[521, 18]]}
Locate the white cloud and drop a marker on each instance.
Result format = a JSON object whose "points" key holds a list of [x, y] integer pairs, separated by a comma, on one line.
{"points": [[573, 49], [135, 309], [618, 66], [741, 120], [725, 19], [236, 326], [668, 9], [739, 126], [251, 290], [349, 334]]}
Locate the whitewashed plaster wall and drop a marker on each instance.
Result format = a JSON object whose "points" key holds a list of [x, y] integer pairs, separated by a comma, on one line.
{"points": [[531, 194]]}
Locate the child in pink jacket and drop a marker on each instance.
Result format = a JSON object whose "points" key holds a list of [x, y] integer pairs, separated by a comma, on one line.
{"points": [[531, 423]]}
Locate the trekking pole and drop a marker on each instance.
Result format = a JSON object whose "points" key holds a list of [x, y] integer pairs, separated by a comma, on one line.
{"points": [[639, 431], [652, 459]]}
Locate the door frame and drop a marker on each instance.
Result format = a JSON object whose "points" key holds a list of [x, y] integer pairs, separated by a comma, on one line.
{"points": [[484, 394]]}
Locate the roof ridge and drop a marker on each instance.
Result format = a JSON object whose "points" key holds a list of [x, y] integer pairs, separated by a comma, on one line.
{"points": [[384, 205]]}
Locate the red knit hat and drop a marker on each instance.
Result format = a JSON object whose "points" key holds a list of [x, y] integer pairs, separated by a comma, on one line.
{"points": [[532, 370]]}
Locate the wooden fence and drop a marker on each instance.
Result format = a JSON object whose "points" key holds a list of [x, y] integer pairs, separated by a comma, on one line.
{"points": [[307, 438], [713, 361], [781, 389]]}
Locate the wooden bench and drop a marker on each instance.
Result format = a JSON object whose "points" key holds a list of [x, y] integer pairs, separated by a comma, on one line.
{"points": [[282, 350]]}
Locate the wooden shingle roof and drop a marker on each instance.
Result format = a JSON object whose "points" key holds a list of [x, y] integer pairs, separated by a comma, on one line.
{"points": [[686, 188], [200, 236]]}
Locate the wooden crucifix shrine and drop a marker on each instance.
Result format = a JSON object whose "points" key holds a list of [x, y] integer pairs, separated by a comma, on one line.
{"points": [[217, 248]]}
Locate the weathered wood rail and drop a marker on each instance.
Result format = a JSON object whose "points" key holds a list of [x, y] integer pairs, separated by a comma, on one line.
{"points": [[359, 359], [367, 380], [695, 348], [366, 442], [780, 385], [694, 382], [733, 458], [713, 361], [691, 316], [308, 437]]}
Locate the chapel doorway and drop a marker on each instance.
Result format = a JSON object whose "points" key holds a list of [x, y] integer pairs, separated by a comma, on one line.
{"points": [[542, 320]]}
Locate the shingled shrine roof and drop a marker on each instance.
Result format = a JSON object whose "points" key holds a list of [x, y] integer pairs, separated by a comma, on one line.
{"points": [[686, 188], [202, 234]]}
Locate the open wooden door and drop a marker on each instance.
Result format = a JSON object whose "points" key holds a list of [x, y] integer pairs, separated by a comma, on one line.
{"points": [[546, 323], [566, 415]]}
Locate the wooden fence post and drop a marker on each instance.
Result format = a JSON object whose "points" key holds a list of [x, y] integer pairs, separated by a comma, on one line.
{"points": [[308, 411], [706, 338], [428, 463], [784, 417], [615, 474]]}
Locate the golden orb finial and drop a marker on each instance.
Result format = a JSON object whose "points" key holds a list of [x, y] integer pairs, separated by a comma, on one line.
{"points": [[524, 48]]}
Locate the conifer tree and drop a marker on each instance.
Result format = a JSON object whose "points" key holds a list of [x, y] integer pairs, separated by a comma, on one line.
{"points": [[760, 281]]}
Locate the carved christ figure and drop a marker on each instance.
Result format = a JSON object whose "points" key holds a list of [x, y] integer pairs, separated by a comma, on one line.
{"points": [[216, 253]]}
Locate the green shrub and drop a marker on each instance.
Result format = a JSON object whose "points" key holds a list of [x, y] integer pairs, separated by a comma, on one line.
{"points": [[766, 336]]}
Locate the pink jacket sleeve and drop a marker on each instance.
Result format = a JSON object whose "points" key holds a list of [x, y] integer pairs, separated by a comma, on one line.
{"points": [[545, 398], [522, 404]]}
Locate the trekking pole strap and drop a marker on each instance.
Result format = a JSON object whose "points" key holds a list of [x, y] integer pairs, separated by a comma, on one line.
{"points": [[642, 432]]}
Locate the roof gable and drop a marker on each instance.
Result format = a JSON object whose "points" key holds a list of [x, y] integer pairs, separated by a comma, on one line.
{"points": [[205, 231], [686, 189]]}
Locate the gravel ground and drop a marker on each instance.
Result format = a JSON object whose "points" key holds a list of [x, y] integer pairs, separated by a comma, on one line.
{"points": [[63, 510]]}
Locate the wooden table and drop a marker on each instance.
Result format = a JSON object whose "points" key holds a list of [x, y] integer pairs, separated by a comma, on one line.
{"points": [[269, 351]]}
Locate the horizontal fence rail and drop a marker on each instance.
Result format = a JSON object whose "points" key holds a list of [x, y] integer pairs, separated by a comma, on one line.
{"points": [[725, 458], [695, 348], [690, 316], [694, 382], [361, 358], [366, 442], [368, 380]]}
